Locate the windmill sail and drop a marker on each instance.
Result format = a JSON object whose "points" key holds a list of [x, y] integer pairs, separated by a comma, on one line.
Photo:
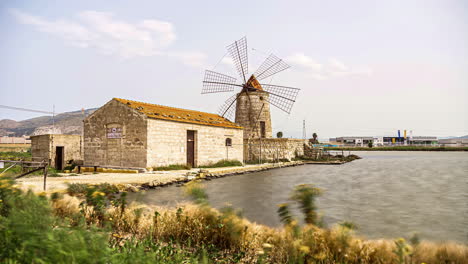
{"points": [[215, 82], [238, 52], [227, 109], [272, 65], [282, 97]]}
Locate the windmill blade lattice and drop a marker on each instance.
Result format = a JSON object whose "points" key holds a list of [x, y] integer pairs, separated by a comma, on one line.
{"points": [[270, 66], [215, 82], [282, 97], [228, 108], [238, 52]]}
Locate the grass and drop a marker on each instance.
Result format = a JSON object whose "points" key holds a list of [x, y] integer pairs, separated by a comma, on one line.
{"points": [[399, 148], [223, 163], [172, 167], [99, 226], [14, 154]]}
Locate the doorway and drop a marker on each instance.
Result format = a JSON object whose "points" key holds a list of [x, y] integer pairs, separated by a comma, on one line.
{"points": [[262, 129], [191, 148], [59, 157]]}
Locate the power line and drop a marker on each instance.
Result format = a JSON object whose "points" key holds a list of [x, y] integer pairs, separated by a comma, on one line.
{"points": [[25, 109]]}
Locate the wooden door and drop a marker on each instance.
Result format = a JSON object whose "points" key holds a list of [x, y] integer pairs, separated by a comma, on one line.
{"points": [[191, 148]]}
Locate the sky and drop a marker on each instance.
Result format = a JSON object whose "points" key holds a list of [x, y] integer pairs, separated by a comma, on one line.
{"points": [[365, 68]]}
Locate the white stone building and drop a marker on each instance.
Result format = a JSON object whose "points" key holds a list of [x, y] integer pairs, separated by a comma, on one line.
{"points": [[130, 134]]}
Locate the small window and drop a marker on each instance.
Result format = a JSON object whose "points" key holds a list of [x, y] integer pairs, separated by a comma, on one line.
{"points": [[228, 142]]}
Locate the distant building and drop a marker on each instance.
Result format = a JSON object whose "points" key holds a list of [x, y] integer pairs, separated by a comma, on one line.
{"points": [[59, 150], [130, 134], [15, 140], [352, 141], [423, 140], [383, 141], [454, 142]]}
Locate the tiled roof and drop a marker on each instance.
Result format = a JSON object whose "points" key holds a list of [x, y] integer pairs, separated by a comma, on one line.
{"points": [[178, 114]]}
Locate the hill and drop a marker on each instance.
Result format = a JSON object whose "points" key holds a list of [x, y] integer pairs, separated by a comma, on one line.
{"points": [[69, 123]]}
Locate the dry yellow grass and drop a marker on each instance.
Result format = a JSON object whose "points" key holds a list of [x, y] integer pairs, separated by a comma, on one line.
{"points": [[196, 225]]}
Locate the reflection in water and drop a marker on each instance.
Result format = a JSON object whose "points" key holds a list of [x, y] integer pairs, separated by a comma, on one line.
{"points": [[387, 194]]}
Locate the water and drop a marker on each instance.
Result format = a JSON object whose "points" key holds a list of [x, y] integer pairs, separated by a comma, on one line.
{"points": [[387, 194]]}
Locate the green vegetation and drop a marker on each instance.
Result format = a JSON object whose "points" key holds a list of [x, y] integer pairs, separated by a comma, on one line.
{"points": [[99, 226], [279, 134], [399, 148], [16, 155], [329, 158], [223, 163], [314, 138], [173, 167]]}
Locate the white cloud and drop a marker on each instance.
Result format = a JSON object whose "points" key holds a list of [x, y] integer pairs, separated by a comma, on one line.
{"points": [[337, 65], [101, 30], [195, 59], [227, 60], [304, 61], [331, 69]]}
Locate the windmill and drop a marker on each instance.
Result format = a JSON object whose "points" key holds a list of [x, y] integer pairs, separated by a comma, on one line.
{"points": [[252, 102]]}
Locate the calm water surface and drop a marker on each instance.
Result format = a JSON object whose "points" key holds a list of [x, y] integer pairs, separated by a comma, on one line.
{"points": [[387, 194]]}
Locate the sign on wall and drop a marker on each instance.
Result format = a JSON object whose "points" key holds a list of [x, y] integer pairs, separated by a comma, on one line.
{"points": [[114, 132]]}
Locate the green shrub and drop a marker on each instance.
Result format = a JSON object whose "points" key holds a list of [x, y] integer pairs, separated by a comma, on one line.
{"points": [[223, 163], [173, 167]]}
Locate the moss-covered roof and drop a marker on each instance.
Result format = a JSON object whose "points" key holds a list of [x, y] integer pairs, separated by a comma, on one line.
{"points": [[177, 114]]}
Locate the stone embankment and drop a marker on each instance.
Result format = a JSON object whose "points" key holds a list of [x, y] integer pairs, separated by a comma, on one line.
{"points": [[135, 181]]}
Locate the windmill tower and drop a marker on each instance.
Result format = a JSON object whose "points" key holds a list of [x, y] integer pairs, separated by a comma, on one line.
{"points": [[252, 102]]}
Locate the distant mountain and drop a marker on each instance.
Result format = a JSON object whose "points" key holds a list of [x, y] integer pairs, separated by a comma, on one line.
{"points": [[69, 123]]}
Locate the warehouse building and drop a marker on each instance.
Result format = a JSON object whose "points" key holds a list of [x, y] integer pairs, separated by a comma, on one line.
{"points": [[130, 134]]}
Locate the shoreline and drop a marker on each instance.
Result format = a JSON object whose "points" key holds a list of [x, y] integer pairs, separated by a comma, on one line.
{"points": [[399, 148], [138, 181]]}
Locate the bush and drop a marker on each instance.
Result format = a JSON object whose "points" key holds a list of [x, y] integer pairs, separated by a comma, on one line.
{"points": [[223, 163], [173, 167]]}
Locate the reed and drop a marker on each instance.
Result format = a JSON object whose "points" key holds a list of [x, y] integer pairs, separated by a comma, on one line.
{"points": [[188, 233]]}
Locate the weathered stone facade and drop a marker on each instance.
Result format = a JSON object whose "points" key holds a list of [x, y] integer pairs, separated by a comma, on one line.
{"points": [[253, 113], [167, 143], [129, 135], [129, 150], [273, 149], [48, 147]]}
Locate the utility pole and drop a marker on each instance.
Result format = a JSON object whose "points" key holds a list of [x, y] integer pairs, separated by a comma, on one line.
{"points": [[304, 134]]}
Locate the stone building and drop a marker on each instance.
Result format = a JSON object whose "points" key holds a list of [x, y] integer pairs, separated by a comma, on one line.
{"points": [[253, 114], [59, 150], [130, 134]]}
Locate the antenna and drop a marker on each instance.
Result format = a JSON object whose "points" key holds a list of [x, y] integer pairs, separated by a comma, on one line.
{"points": [[304, 134]]}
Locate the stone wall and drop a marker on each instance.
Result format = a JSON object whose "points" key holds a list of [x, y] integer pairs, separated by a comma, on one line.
{"points": [[126, 147], [251, 108], [272, 149], [167, 143], [43, 147]]}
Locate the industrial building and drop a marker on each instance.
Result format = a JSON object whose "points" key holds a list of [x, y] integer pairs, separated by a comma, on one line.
{"points": [[357, 141], [130, 134], [454, 142]]}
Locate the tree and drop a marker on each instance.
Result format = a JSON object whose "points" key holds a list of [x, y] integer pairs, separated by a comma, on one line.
{"points": [[314, 136], [370, 144], [279, 134]]}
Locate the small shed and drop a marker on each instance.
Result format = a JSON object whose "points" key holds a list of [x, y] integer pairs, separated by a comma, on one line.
{"points": [[131, 134], [58, 149]]}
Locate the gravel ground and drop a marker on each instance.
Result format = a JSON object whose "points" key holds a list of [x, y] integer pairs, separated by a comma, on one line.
{"points": [[60, 183], [36, 183]]}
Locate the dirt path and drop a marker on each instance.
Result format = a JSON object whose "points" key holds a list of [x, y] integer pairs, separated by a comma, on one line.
{"points": [[138, 179]]}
